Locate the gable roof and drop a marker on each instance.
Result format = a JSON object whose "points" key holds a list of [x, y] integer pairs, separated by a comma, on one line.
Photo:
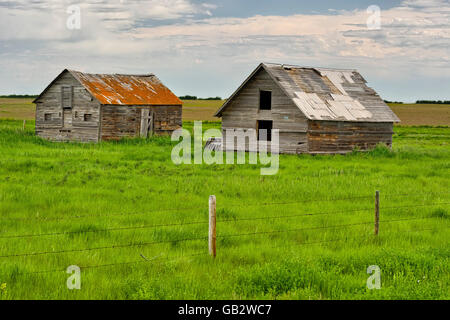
{"points": [[123, 89], [325, 94]]}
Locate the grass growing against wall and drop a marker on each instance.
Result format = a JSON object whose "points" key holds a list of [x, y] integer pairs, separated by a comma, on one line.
{"points": [[97, 194]]}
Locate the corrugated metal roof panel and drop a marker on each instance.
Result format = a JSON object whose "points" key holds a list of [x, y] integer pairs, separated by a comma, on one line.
{"points": [[331, 94], [120, 89], [312, 105]]}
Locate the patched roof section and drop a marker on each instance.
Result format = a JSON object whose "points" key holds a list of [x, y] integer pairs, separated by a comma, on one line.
{"points": [[121, 89], [327, 94], [331, 94]]}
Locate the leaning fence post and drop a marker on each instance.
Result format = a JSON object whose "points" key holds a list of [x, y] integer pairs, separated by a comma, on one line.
{"points": [[377, 212], [212, 226]]}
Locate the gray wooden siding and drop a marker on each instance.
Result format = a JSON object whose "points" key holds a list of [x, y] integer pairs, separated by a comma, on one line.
{"points": [[167, 119], [337, 136], [69, 124], [88, 120], [243, 113], [119, 122], [125, 121]]}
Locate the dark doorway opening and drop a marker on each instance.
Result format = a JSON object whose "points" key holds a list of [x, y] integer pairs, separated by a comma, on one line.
{"points": [[266, 125]]}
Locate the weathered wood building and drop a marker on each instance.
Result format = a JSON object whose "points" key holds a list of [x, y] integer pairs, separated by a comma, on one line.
{"points": [[316, 110], [86, 107]]}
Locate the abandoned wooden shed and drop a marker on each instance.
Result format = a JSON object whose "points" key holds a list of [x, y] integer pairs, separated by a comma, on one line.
{"points": [[316, 110], [86, 107]]}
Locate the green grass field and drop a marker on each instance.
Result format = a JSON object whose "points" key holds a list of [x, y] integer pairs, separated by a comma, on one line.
{"points": [[409, 114], [101, 207], [24, 109]]}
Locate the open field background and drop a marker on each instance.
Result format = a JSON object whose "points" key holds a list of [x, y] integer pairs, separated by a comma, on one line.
{"points": [[422, 114], [24, 109], [410, 114], [305, 233], [201, 109]]}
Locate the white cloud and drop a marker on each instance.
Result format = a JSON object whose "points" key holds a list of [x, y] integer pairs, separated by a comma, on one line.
{"points": [[425, 3], [406, 33], [45, 18], [166, 34]]}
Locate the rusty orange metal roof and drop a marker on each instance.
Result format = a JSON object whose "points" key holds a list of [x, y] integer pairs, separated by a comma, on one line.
{"points": [[123, 89]]}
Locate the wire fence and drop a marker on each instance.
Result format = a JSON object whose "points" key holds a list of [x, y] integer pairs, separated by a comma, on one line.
{"points": [[180, 209], [213, 237], [13, 236], [168, 259]]}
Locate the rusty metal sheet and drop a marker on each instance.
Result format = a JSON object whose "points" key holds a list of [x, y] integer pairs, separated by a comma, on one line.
{"points": [[119, 89]]}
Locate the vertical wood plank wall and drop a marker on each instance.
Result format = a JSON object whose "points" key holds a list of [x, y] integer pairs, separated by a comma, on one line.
{"points": [[106, 122], [67, 124], [243, 113], [125, 121], [340, 136]]}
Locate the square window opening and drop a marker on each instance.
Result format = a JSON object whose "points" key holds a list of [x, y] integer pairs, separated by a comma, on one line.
{"points": [[48, 117], [265, 100], [87, 117]]}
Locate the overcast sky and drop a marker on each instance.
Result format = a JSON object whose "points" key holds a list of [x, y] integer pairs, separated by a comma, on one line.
{"points": [[208, 47]]}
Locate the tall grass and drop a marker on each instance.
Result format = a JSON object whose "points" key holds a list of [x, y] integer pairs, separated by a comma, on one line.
{"points": [[87, 189]]}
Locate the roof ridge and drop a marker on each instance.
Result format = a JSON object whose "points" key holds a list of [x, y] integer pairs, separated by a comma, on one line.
{"points": [[316, 98], [135, 75], [114, 74], [308, 67]]}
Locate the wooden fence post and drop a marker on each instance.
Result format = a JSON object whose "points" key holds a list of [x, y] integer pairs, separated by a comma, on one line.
{"points": [[24, 123], [377, 212], [212, 226]]}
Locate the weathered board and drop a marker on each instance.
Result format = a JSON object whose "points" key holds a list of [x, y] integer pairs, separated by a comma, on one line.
{"points": [[337, 136], [127, 121], [243, 113], [67, 111], [316, 110], [54, 122]]}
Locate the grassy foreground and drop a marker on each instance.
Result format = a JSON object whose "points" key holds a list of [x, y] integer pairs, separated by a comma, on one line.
{"points": [[83, 189]]}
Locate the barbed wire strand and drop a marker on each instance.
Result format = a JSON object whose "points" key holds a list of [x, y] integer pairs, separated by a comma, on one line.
{"points": [[174, 209], [128, 214], [206, 222], [171, 225], [416, 205], [119, 264], [200, 238], [412, 194], [120, 246], [101, 230], [327, 213], [204, 253], [317, 228], [344, 239], [194, 208]]}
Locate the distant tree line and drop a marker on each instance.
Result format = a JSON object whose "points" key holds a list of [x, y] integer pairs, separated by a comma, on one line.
{"points": [[397, 102], [187, 97], [422, 102], [19, 96], [433, 101]]}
